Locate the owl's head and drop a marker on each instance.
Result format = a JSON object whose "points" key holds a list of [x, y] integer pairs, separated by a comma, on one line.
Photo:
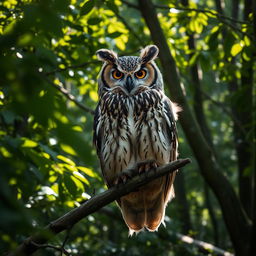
{"points": [[129, 75]]}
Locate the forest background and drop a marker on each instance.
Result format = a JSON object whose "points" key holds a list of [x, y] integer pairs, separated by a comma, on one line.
{"points": [[48, 91]]}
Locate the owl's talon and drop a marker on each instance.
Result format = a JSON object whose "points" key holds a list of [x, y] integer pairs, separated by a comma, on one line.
{"points": [[145, 166], [124, 176]]}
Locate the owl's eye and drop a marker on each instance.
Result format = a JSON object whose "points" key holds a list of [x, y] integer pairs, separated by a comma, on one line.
{"points": [[141, 74], [117, 74]]}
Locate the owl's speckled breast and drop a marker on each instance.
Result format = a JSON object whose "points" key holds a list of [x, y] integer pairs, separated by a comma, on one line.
{"points": [[132, 131]]}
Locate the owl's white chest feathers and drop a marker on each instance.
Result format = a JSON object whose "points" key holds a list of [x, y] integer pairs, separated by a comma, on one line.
{"points": [[133, 129]]}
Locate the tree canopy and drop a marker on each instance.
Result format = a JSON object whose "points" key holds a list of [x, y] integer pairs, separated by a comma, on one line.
{"points": [[48, 93]]}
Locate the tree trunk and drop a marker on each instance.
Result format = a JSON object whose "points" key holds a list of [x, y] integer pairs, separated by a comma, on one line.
{"points": [[200, 116]]}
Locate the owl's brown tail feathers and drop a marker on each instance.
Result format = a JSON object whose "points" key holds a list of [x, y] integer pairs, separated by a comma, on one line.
{"points": [[146, 213]]}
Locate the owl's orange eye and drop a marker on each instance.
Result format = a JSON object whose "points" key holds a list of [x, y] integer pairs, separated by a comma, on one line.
{"points": [[117, 74], [140, 74]]}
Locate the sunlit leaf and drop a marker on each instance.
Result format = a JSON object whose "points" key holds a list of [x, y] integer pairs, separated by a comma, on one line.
{"points": [[94, 96], [66, 160], [247, 41], [236, 48], [5, 152], [78, 183], [29, 143], [70, 185], [87, 171], [68, 149], [79, 176]]}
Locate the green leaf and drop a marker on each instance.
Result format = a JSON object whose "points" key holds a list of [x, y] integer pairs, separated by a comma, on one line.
{"points": [[79, 176], [112, 6], [236, 48], [114, 34], [70, 185], [94, 21], [29, 143], [228, 42], [68, 149], [66, 160], [87, 171], [87, 7]]}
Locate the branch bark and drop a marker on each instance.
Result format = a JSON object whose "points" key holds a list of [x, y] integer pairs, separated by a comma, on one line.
{"points": [[93, 205], [234, 216]]}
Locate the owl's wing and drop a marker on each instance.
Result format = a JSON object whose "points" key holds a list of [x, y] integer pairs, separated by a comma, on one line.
{"points": [[172, 135], [97, 133], [97, 136]]}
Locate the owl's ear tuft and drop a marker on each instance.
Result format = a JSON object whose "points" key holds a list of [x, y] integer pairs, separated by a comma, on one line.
{"points": [[107, 55], [149, 53]]}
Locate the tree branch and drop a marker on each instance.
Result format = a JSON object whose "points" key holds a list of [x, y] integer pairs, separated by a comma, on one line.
{"points": [[68, 95], [56, 248], [94, 204], [206, 247]]}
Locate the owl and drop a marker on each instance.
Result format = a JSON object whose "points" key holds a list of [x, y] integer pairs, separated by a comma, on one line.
{"points": [[134, 122]]}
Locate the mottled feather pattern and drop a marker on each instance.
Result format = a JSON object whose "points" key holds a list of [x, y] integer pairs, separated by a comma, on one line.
{"points": [[125, 122], [128, 63]]}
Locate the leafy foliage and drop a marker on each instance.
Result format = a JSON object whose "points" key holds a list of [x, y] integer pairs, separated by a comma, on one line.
{"points": [[48, 163]]}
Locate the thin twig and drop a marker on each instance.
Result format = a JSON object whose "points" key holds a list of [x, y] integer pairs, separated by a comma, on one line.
{"points": [[41, 246], [94, 204], [66, 237], [69, 96]]}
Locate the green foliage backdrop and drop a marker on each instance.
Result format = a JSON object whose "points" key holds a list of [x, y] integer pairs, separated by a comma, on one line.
{"points": [[48, 90]]}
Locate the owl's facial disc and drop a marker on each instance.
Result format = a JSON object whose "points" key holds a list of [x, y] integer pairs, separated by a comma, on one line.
{"points": [[129, 82]]}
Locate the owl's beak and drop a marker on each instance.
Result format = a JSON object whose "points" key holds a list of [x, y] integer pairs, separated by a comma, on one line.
{"points": [[129, 85]]}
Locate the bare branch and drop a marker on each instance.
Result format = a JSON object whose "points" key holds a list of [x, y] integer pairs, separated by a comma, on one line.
{"points": [[69, 96], [94, 204], [56, 248], [202, 245]]}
